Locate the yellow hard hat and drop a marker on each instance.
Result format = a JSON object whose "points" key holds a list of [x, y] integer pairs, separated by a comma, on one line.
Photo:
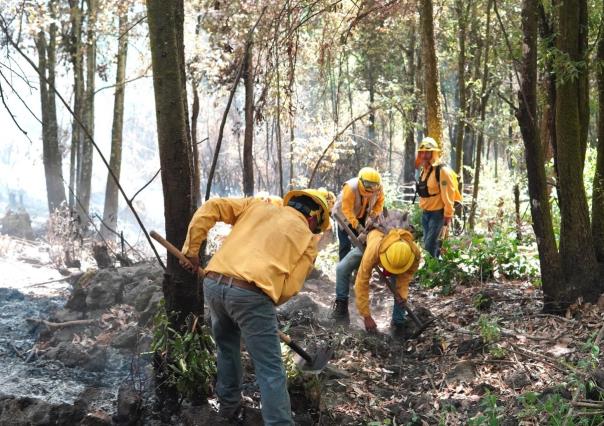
{"points": [[370, 179], [397, 258], [428, 144], [317, 196]]}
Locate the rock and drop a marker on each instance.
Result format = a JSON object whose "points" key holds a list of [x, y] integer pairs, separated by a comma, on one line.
{"points": [[126, 339], [17, 224], [151, 309], [464, 371], [105, 290], [517, 380], [31, 411], [73, 355], [138, 294], [129, 404], [301, 306], [96, 418]]}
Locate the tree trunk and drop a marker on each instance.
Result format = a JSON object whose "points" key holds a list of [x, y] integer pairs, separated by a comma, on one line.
{"points": [[248, 139], [461, 84], [115, 161], [76, 56], [53, 168], [410, 115], [577, 253], [195, 144], [434, 116], [181, 290], [597, 209], [537, 184], [484, 97], [85, 180]]}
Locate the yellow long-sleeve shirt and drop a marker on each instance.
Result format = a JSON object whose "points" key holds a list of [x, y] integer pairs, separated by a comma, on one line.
{"points": [[270, 246], [371, 258], [354, 209], [445, 195]]}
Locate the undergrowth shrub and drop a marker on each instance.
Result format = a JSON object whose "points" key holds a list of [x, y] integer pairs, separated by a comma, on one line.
{"points": [[187, 357], [468, 259]]}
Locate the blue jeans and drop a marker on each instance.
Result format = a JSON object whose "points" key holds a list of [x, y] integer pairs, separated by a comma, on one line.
{"points": [[344, 244], [344, 270], [237, 312], [432, 223]]}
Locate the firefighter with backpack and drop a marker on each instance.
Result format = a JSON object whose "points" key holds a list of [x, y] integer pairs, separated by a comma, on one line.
{"points": [[438, 189]]}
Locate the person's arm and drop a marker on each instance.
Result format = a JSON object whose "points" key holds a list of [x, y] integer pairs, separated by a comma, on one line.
{"points": [[447, 193], [300, 272], [215, 210], [379, 205], [348, 206]]}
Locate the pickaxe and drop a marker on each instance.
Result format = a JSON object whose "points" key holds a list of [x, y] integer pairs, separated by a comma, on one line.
{"points": [[390, 283]]}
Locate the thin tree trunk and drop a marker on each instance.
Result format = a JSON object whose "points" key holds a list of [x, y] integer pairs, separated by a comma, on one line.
{"points": [[76, 56], [195, 144], [537, 184], [115, 162], [278, 129], [434, 116], [412, 113], [461, 83], [597, 208], [248, 140], [484, 97], [84, 185], [579, 266], [53, 168]]}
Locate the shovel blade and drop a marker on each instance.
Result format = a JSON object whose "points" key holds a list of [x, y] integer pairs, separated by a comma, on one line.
{"points": [[319, 361]]}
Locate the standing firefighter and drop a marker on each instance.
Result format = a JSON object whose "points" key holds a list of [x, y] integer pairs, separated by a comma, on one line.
{"points": [[438, 191], [360, 198], [262, 263]]}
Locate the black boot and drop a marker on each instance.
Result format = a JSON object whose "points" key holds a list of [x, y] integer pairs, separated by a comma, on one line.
{"points": [[340, 310]]}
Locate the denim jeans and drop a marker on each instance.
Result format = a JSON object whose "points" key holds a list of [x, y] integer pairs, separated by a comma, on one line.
{"points": [[432, 223], [344, 271], [344, 244], [237, 313]]}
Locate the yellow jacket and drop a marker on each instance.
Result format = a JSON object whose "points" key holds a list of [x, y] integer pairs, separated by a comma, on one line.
{"points": [[355, 203], [270, 246], [445, 195], [371, 259]]}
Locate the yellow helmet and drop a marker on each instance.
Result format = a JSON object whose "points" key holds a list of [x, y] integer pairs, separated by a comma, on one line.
{"points": [[330, 197], [397, 258], [370, 179], [317, 196], [428, 144]]}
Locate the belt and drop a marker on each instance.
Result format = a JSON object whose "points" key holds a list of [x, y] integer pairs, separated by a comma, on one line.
{"points": [[225, 279]]}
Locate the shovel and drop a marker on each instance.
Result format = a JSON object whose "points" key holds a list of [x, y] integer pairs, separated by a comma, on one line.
{"points": [[389, 283], [312, 364]]}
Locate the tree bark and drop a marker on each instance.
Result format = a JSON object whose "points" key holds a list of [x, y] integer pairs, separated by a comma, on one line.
{"points": [[484, 97], [115, 161], [537, 185], [597, 209], [181, 290], [76, 57], [461, 84], [411, 113], [434, 116], [53, 167], [87, 150], [248, 138], [577, 252]]}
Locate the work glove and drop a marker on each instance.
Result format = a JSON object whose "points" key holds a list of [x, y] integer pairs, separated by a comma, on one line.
{"points": [[362, 238], [370, 324]]}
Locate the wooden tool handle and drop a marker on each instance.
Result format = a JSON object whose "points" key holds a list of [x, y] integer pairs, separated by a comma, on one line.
{"points": [[173, 250], [297, 348]]}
